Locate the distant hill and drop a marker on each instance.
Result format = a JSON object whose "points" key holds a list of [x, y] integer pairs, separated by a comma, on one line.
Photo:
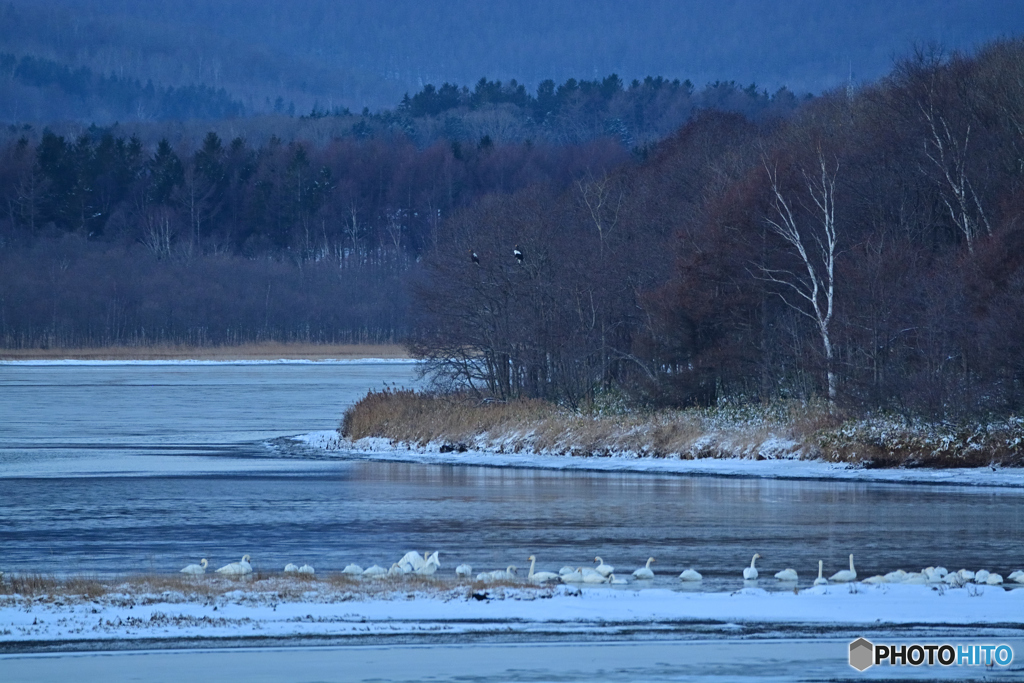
{"points": [[325, 54]]}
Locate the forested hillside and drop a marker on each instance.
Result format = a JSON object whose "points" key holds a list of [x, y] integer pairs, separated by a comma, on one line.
{"points": [[364, 53], [868, 250]]}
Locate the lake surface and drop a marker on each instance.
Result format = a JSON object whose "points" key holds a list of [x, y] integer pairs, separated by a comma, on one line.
{"points": [[143, 468]]}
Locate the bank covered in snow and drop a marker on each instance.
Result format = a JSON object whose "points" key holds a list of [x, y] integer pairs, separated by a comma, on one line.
{"points": [[782, 466], [259, 611]]}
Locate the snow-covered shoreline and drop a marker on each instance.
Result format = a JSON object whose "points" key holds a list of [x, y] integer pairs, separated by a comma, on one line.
{"points": [[781, 468], [326, 611]]}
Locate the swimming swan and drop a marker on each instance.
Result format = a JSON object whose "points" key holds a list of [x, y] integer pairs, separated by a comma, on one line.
{"points": [[821, 580], [644, 573], [845, 575], [691, 575], [750, 573], [787, 575], [616, 580], [575, 576], [602, 568], [540, 577], [196, 569]]}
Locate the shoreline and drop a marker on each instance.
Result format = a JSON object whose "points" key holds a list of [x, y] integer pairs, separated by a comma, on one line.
{"points": [[258, 610], [243, 352], [787, 469]]}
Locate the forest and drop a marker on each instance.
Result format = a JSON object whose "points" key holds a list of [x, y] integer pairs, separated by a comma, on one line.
{"points": [[651, 241], [867, 250]]}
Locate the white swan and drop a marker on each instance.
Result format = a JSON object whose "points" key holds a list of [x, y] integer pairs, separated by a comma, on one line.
{"points": [[954, 579], [306, 569], [691, 575], [508, 574], [877, 578], [196, 569], [395, 570], [602, 568], [237, 568], [412, 561], [430, 567], [352, 569], [434, 558], [994, 579], [575, 576], [821, 580], [464, 571], [594, 576], [787, 575], [644, 573], [750, 573], [289, 568], [915, 578], [966, 574], [844, 575], [981, 576], [540, 577], [897, 576], [375, 570], [566, 570], [616, 580], [1017, 576]]}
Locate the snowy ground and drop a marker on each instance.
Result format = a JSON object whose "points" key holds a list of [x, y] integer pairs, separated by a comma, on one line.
{"points": [[329, 611], [383, 449]]}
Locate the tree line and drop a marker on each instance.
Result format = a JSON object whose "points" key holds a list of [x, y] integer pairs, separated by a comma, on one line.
{"points": [[105, 239], [866, 250]]}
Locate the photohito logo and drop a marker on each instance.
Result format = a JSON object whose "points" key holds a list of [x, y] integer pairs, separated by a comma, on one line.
{"points": [[865, 654]]}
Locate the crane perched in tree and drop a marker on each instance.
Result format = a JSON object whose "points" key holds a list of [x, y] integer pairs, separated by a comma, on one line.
{"points": [[518, 254]]}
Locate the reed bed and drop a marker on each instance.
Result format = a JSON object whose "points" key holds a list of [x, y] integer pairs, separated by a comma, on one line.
{"points": [[777, 430], [258, 587]]}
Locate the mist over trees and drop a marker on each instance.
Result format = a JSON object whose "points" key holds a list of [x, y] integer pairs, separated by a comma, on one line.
{"points": [[866, 250], [364, 53]]}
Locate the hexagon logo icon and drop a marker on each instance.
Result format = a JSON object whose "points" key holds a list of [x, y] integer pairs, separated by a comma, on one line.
{"points": [[862, 654]]}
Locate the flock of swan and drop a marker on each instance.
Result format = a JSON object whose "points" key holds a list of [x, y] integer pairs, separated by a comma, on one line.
{"points": [[427, 564]]}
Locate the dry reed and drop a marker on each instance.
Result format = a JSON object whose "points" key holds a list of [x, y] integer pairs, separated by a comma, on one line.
{"points": [[783, 429]]}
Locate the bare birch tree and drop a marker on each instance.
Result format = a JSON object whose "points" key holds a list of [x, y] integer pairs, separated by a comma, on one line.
{"points": [[812, 287], [949, 155]]}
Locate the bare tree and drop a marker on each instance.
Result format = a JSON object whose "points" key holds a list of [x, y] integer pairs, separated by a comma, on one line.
{"points": [[948, 154], [811, 289]]}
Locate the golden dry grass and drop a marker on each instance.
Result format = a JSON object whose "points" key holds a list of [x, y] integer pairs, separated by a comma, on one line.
{"points": [[268, 351], [459, 421], [274, 586], [782, 429]]}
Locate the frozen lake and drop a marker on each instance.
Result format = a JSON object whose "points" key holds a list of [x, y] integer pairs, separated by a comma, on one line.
{"points": [[144, 468]]}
